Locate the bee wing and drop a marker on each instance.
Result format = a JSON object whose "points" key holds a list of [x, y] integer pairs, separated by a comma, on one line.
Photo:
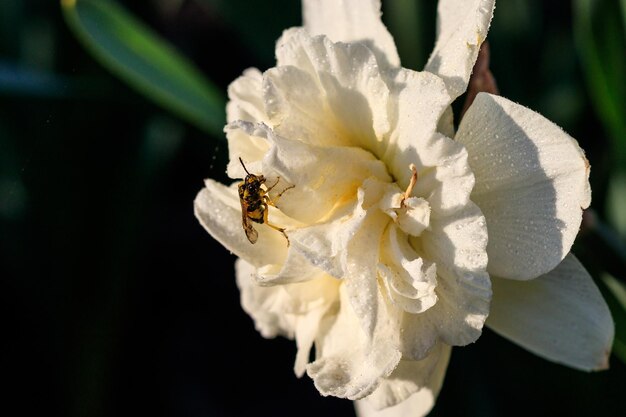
{"points": [[251, 233]]}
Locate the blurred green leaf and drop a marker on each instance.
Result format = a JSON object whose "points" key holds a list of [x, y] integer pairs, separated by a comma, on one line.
{"points": [[616, 202], [148, 63], [617, 303], [601, 44]]}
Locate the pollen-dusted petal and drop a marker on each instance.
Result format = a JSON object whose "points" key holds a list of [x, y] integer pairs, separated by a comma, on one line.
{"points": [[560, 316], [246, 98], [351, 21], [462, 27], [531, 185], [414, 217], [411, 389], [348, 74], [218, 209], [350, 364], [409, 280]]}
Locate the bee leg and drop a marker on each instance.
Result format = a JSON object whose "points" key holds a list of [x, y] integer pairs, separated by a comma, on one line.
{"points": [[280, 229], [275, 200], [283, 191], [274, 185]]}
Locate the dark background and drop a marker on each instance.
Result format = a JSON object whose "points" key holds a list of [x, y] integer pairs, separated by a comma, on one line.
{"points": [[114, 300]]}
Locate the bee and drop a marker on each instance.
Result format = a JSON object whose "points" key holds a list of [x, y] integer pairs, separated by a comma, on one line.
{"points": [[255, 203]]}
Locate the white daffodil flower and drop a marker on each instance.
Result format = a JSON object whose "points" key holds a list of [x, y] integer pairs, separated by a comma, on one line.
{"points": [[401, 237]]}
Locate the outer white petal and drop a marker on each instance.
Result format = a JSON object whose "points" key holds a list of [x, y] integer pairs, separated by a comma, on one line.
{"points": [[350, 78], [560, 316], [218, 209], [351, 21], [462, 27], [531, 185], [349, 363], [410, 390]]}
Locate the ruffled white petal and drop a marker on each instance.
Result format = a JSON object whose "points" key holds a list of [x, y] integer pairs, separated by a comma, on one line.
{"points": [[409, 280], [531, 185], [260, 302], [410, 390], [456, 244], [443, 173], [351, 81], [420, 98], [462, 27], [292, 310], [316, 173], [560, 316], [349, 363], [246, 98], [348, 247], [301, 113], [351, 21]]}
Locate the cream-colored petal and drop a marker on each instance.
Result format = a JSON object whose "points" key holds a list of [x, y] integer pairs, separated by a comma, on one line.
{"points": [[408, 279], [363, 258], [443, 173], [350, 364], [456, 244], [349, 76], [306, 332], [264, 304], [316, 173], [218, 209], [421, 99], [560, 316], [292, 310], [323, 244], [298, 108], [410, 390], [295, 268], [531, 185], [462, 26], [351, 21], [246, 98], [326, 245], [250, 149]]}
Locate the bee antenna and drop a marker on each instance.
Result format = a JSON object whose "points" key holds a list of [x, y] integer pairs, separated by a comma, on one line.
{"points": [[244, 167]]}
